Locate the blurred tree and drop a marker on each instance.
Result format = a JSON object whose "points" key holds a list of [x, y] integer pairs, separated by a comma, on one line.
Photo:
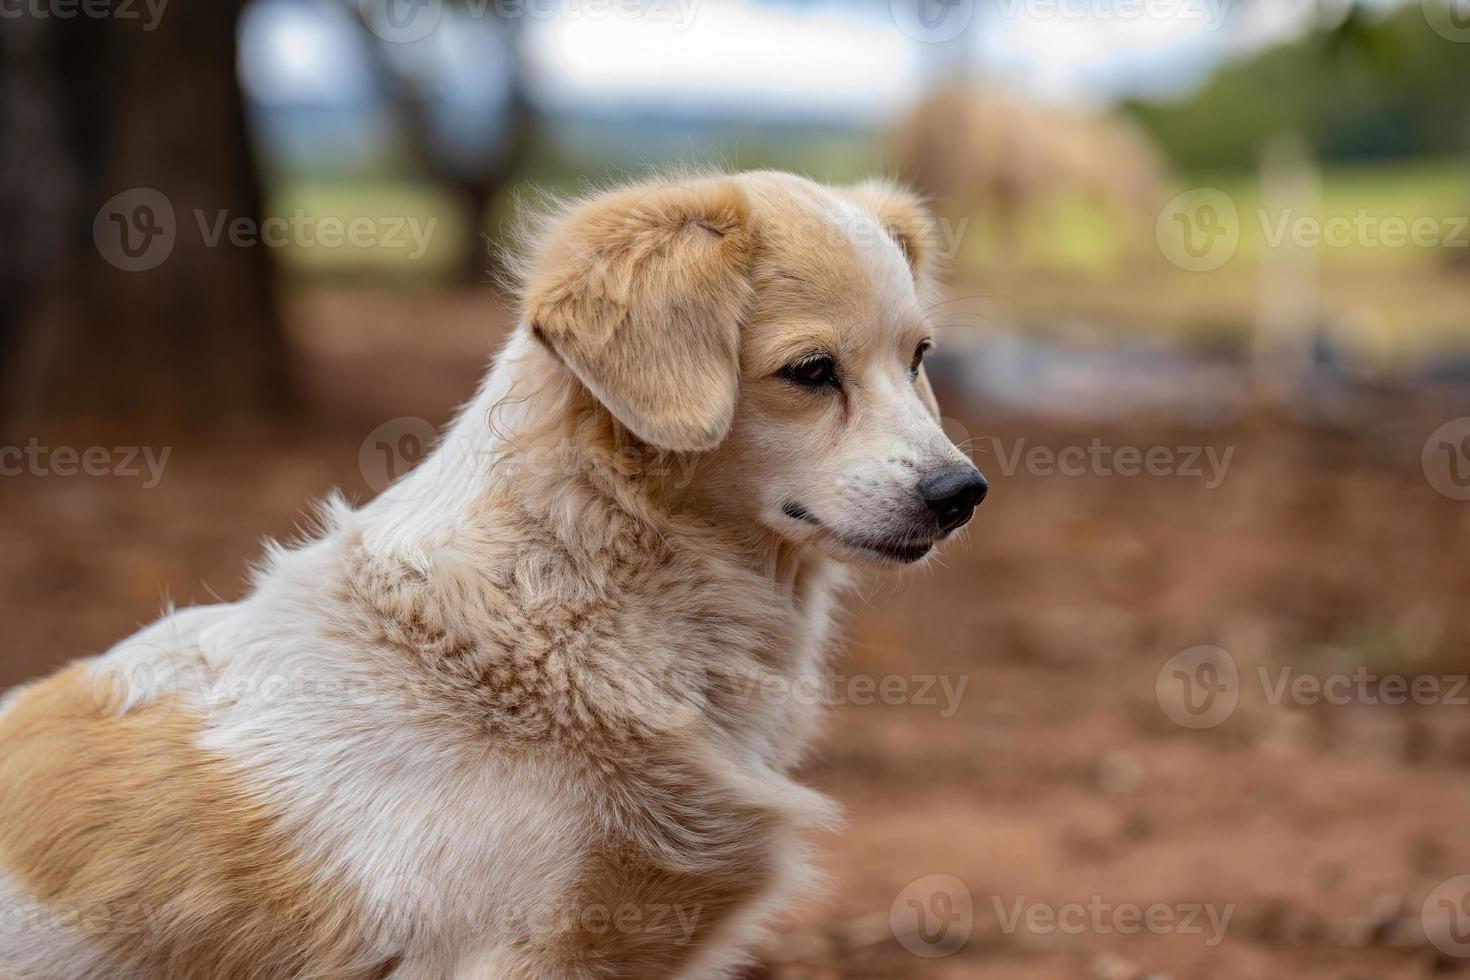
{"points": [[1362, 87], [124, 146], [475, 173]]}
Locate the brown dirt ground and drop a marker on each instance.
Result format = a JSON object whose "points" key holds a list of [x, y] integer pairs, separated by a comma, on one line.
{"points": [[1058, 779]]}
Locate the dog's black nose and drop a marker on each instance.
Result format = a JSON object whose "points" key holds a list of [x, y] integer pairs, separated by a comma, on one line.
{"points": [[952, 494]]}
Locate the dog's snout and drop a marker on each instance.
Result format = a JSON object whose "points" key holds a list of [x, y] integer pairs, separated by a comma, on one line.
{"points": [[952, 493]]}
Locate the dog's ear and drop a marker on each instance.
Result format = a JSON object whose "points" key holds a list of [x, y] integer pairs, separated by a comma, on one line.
{"points": [[905, 218], [641, 292]]}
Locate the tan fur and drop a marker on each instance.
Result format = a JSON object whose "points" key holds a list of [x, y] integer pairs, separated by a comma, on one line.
{"points": [[904, 218], [121, 821], [618, 281]]}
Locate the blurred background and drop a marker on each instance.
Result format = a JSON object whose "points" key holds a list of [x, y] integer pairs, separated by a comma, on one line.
{"points": [[1189, 699]]}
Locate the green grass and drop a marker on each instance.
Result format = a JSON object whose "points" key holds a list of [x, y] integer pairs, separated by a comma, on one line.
{"points": [[1069, 259], [408, 232]]}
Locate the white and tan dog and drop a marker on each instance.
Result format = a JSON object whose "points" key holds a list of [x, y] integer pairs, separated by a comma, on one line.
{"points": [[528, 714]]}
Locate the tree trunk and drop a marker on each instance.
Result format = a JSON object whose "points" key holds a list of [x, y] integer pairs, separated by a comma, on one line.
{"points": [[140, 311], [480, 263], [474, 189]]}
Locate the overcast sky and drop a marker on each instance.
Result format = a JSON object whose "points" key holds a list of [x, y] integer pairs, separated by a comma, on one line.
{"points": [[858, 62]]}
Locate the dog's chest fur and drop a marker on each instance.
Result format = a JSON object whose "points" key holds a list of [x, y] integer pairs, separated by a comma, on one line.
{"points": [[596, 644]]}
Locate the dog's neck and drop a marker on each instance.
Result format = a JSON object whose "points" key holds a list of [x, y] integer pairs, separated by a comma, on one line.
{"points": [[531, 440]]}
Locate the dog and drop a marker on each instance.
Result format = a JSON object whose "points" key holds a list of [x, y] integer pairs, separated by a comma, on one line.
{"points": [[528, 714]]}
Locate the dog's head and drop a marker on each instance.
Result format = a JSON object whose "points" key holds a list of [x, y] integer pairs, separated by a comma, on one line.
{"points": [[773, 326]]}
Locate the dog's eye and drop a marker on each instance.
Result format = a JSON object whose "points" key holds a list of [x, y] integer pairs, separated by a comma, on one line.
{"points": [[918, 360], [813, 372]]}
